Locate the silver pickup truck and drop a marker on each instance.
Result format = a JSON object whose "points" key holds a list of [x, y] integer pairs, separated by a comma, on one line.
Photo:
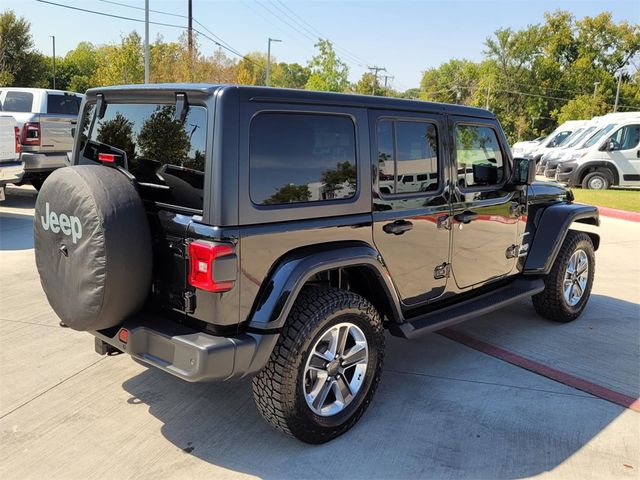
{"points": [[45, 119], [11, 167]]}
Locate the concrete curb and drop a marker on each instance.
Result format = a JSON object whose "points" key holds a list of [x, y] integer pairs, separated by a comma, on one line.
{"points": [[619, 214]]}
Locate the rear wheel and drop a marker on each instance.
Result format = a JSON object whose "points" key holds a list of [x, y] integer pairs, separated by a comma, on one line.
{"points": [[596, 181], [568, 284], [325, 367]]}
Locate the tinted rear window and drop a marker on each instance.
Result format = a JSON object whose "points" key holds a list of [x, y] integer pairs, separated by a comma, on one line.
{"points": [[17, 102], [298, 158], [63, 104], [166, 155]]}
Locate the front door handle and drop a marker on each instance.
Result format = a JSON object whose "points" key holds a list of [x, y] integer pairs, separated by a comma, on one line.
{"points": [[398, 227], [466, 217]]}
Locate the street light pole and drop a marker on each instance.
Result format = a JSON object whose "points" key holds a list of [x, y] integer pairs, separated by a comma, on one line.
{"points": [[53, 37], [146, 41], [269, 59], [595, 89]]}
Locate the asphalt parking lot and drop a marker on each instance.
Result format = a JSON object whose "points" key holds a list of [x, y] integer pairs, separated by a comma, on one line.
{"points": [[443, 410]]}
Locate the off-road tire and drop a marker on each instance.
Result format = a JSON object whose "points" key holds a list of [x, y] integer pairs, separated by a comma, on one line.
{"points": [[603, 176], [550, 303], [278, 388]]}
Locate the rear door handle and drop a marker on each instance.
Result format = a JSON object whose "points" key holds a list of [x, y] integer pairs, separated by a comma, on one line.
{"points": [[398, 227], [466, 217]]}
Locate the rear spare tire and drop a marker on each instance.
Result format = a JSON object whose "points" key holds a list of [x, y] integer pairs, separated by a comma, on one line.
{"points": [[92, 246]]}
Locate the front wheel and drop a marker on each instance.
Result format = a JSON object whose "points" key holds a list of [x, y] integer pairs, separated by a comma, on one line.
{"points": [[325, 367], [568, 284], [596, 181]]}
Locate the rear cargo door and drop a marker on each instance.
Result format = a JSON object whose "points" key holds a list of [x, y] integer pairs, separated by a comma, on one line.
{"points": [[166, 155]]}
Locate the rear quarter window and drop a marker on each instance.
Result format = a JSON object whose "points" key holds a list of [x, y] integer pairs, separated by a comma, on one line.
{"points": [[16, 101], [298, 158]]}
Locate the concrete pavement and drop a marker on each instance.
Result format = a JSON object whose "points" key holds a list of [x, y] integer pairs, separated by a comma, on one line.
{"points": [[443, 410]]}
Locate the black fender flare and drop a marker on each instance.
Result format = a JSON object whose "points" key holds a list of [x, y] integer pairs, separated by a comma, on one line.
{"points": [[552, 226], [287, 278], [595, 166]]}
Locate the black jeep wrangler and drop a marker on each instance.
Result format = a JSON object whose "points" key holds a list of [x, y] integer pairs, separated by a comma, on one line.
{"points": [[216, 232]]}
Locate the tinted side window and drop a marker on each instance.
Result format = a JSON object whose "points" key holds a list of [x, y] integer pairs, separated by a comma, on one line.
{"points": [[407, 157], [559, 138], [17, 102], [297, 158], [62, 104], [626, 138], [159, 150], [479, 157]]}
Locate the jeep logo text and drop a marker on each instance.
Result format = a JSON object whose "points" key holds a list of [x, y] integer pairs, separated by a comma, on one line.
{"points": [[69, 225]]}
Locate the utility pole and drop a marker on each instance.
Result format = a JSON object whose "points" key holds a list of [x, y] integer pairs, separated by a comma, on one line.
{"points": [[190, 36], [595, 89], [146, 41], [53, 37], [615, 105], [387, 77], [375, 70], [268, 79], [486, 104]]}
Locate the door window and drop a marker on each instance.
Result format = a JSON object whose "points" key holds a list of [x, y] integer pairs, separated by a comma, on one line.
{"points": [[64, 104], [407, 157], [479, 158], [626, 138]]}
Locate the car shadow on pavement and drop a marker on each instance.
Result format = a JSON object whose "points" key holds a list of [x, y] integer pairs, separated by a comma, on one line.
{"points": [[16, 231], [20, 198], [422, 423]]}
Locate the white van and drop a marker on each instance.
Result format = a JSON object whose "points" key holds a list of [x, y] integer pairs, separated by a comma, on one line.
{"points": [[611, 157], [556, 138]]}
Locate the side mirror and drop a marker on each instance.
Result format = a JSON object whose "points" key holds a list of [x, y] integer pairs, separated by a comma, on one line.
{"points": [[611, 145], [524, 171]]}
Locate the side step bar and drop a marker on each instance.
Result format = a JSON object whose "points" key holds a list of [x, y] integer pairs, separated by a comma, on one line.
{"points": [[473, 307]]}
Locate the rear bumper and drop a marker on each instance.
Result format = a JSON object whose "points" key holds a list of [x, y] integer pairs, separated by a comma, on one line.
{"points": [[11, 172], [43, 162], [189, 354]]}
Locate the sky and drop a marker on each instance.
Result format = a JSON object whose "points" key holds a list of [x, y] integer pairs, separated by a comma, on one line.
{"points": [[404, 37]]}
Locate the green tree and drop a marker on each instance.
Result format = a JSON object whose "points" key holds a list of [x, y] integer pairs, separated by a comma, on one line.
{"points": [[288, 194], [581, 107], [121, 64], [289, 75], [369, 85], [334, 180], [252, 69], [164, 139], [328, 72], [20, 64], [118, 132]]}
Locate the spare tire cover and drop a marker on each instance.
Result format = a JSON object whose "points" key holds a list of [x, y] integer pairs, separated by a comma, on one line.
{"points": [[92, 246]]}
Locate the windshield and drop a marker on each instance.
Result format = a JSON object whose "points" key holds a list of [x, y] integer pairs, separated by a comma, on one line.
{"points": [[166, 156], [570, 138], [579, 138], [593, 140]]}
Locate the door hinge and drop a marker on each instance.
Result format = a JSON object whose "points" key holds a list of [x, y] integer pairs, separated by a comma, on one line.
{"points": [[512, 251], [444, 222], [442, 270]]}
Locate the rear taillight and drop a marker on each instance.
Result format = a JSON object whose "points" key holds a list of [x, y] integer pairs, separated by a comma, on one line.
{"points": [[17, 134], [212, 266], [30, 134]]}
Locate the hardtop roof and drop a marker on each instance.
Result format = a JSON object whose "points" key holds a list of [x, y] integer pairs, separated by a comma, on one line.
{"points": [[270, 94]]}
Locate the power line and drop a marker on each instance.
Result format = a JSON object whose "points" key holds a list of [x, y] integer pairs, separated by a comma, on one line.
{"points": [[314, 31], [122, 17], [178, 15]]}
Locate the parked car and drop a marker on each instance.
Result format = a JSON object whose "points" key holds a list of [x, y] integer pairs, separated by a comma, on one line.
{"points": [[576, 139], [193, 241], [45, 119], [11, 167], [609, 158]]}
